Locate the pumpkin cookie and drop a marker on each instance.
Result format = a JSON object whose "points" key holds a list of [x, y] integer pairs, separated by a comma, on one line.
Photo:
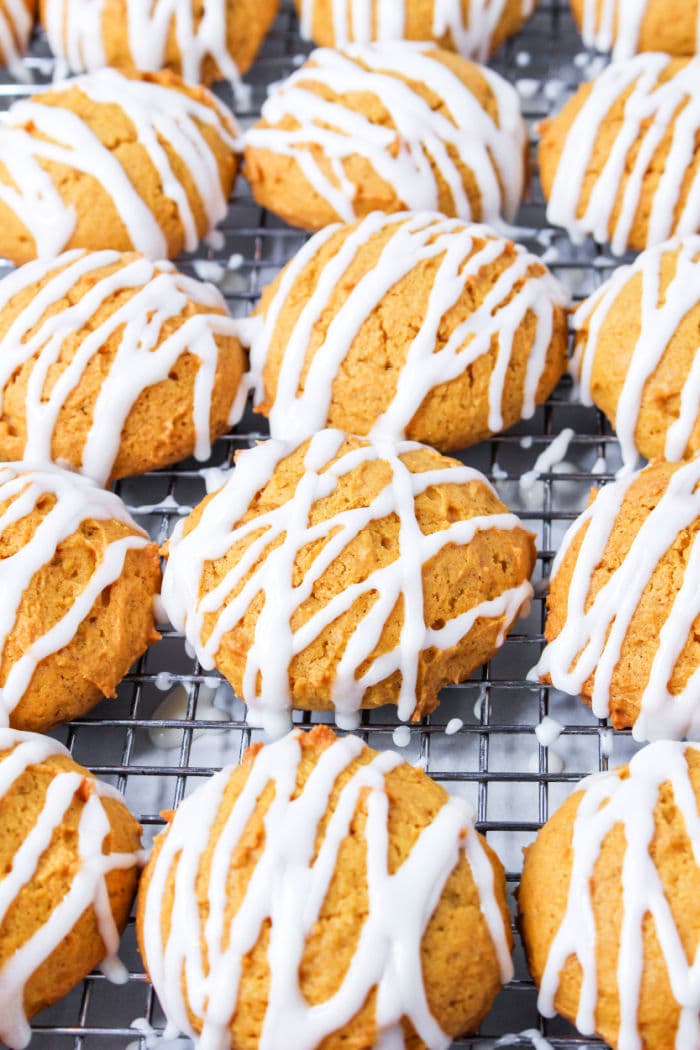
{"points": [[628, 26]]}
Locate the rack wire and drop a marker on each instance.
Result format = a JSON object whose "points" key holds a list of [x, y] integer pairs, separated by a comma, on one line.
{"points": [[494, 759]]}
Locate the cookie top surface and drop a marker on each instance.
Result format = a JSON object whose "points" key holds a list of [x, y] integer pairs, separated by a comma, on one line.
{"points": [[114, 160], [84, 336], [64, 836], [410, 325], [40, 508], [620, 161], [624, 602], [323, 570], [388, 127], [388, 867], [627, 27], [475, 28], [607, 902], [637, 352], [205, 41]]}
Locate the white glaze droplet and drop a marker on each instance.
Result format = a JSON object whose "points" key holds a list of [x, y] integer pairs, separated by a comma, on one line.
{"points": [[548, 731], [453, 726], [401, 736]]}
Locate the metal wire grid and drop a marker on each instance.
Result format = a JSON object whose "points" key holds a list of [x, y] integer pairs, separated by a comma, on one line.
{"points": [[494, 759]]}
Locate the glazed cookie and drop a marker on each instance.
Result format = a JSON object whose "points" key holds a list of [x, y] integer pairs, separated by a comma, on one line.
{"points": [[409, 325], [112, 364], [342, 573], [607, 903], [16, 24], [637, 352], [78, 579], [403, 939], [628, 26], [69, 861], [623, 622], [620, 161], [114, 160], [475, 28], [384, 128], [215, 39]]}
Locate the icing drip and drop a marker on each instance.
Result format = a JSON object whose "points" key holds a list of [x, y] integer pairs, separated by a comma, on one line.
{"points": [[266, 676], [472, 25], [145, 356], [516, 294], [77, 500], [660, 317], [157, 113], [76, 33], [651, 109], [609, 800], [421, 142], [290, 870], [88, 887], [15, 30], [615, 25], [591, 639]]}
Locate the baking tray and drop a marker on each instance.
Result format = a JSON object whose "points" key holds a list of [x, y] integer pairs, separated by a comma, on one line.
{"points": [[494, 760]]}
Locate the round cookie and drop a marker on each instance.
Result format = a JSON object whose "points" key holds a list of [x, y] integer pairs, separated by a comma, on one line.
{"points": [[411, 325], [388, 127], [621, 161], [78, 579], [344, 574], [16, 24], [403, 938], [607, 903], [626, 27], [623, 622], [211, 40], [69, 862], [637, 353], [113, 364], [114, 160], [475, 28]]}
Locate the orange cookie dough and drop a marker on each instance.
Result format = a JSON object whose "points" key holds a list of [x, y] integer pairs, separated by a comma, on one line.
{"points": [[475, 28], [113, 364], [623, 622], [203, 41], [78, 579], [114, 160], [621, 161], [628, 26], [344, 574], [387, 127], [69, 860], [638, 353], [410, 325], [607, 903], [363, 906], [16, 24]]}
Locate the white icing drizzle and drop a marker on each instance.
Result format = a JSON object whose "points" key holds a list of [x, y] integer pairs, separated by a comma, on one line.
{"points": [[650, 110], [420, 136], [156, 113], [88, 886], [290, 871], [615, 25], [15, 30], [471, 24], [78, 499], [415, 239], [76, 33], [591, 639], [275, 643], [145, 355], [609, 800], [660, 317]]}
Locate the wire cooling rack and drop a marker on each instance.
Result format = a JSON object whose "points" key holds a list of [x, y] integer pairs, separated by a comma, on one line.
{"points": [[494, 759]]}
